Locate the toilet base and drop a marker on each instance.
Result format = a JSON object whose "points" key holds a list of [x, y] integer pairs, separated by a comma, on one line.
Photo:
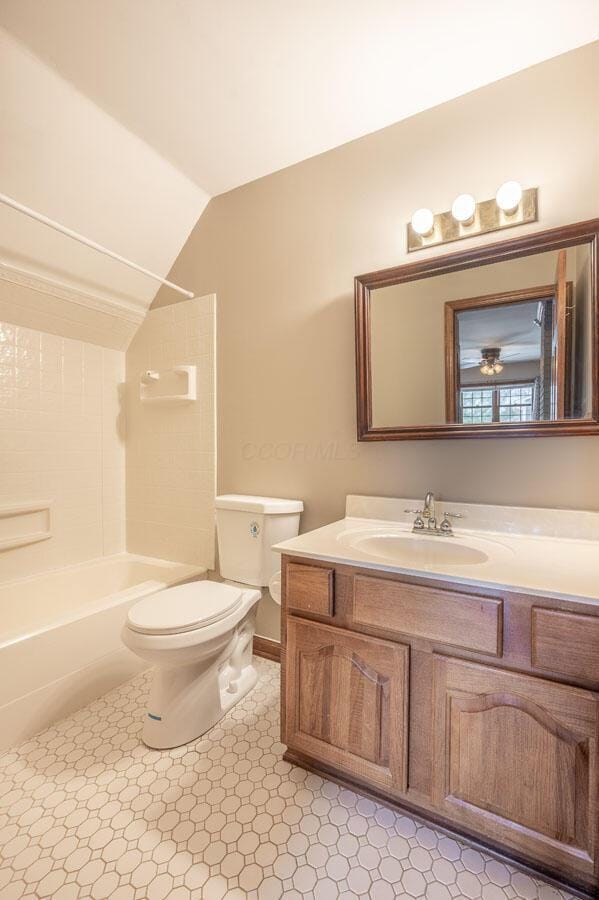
{"points": [[185, 702]]}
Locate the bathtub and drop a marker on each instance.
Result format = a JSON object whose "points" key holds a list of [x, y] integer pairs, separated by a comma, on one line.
{"points": [[60, 643]]}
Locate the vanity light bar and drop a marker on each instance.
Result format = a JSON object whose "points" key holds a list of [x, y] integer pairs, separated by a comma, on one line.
{"points": [[511, 206]]}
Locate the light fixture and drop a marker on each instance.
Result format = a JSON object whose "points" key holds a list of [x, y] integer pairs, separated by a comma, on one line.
{"points": [[508, 197], [463, 209], [423, 221], [468, 217], [490, 364]]}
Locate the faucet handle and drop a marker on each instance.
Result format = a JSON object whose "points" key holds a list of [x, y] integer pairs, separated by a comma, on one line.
{"points": [[445, 526], [414, 512]]}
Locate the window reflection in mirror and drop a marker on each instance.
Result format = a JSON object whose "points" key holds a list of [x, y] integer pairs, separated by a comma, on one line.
{"points": [[508, 342]]}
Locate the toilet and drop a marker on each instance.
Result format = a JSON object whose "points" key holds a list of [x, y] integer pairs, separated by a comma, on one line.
{"points": [[275, 587], [199, 635]]}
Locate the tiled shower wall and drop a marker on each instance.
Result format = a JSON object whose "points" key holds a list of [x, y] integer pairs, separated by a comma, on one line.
{"points": [[170, 445], [62, 440]]}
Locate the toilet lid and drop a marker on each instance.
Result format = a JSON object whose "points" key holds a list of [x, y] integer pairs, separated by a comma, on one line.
{"points": [[184, 607]]}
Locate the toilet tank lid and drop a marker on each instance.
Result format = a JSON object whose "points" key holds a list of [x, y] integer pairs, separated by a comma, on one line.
{"points": [[269, 506]]}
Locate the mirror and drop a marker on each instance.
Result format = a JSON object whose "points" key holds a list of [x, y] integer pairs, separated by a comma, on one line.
{"points": [[496, 341]]}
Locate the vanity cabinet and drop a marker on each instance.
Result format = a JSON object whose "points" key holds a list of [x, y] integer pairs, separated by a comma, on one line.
{"points": [[461, 620], [348, 699], [444, 701], [515, 759]]}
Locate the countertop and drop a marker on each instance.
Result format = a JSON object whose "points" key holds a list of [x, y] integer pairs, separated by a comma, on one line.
{"points": [[564, 568]]}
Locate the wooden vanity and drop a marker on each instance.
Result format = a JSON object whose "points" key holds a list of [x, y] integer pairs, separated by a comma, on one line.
{"points": [[475, 709]]}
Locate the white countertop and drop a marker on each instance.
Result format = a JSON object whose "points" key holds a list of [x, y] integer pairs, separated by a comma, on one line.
{"points": [[566, 568]]}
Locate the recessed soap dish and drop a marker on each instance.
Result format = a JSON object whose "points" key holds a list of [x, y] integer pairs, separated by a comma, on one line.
{"points": [[25, 523], [176, 385]]}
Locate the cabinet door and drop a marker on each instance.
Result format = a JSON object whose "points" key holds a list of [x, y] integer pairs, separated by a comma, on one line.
{"points": [[515, 759], [346, 702]]}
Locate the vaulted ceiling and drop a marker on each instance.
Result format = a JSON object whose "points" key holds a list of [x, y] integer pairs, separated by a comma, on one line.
{"points": [[121, 117]]}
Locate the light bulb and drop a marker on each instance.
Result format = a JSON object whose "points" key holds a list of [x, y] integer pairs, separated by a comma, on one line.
{"points": [[508, 196], [423, 221], [491, 367], [463, 208]]}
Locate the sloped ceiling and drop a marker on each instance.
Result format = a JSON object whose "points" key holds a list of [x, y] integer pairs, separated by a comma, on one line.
{"points": [[67, 158], [230, 90], [121, 117]]}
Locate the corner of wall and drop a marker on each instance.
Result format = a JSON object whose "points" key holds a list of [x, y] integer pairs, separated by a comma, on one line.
{"points": [[171, 457]]}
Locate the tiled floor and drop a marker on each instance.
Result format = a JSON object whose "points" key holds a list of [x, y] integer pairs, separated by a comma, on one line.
{"points": [[86, 810]]}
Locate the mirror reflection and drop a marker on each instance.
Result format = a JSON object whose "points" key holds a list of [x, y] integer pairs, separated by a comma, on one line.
{"points": [[508, 342]]}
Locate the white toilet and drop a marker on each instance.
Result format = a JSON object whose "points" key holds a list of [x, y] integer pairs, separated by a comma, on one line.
{"points": [[199, 635]]}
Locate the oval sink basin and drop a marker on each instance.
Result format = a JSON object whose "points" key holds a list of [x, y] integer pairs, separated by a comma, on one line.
{"points": [[416, 551]]}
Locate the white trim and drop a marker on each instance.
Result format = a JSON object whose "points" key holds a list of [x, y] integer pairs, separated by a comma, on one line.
{"points": [[42, 285]]}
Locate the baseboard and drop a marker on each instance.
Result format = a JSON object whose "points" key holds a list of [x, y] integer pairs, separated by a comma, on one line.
{"points": [[267, 648]]}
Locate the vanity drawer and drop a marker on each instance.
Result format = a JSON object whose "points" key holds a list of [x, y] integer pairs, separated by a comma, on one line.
{"points": [[310, 589], [566, 643], [449, 617]]}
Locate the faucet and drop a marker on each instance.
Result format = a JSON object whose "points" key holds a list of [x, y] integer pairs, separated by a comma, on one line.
{"points": [[429, 510], [426, 519]]}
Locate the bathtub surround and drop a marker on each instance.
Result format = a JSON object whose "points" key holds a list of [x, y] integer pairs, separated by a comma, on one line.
{"points": [[62, 441], [87, 810], [60, 637], [42, 304], [171, 445]]}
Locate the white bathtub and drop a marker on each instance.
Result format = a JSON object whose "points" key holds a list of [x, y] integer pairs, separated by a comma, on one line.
{"points": [[60, 643]]}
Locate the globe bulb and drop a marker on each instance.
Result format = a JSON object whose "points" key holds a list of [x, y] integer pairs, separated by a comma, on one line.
{"points": [[423, 221], [508, 197], [463, 208]]}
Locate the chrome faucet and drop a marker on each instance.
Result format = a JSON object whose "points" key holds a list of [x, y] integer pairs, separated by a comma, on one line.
{"points": [[426, 520], [429, 510]]}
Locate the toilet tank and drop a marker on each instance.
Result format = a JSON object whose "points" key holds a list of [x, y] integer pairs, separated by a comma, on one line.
{"points": [[247, 528]]}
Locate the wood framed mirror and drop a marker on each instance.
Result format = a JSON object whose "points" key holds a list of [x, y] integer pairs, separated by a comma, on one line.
{"points": [[496, 341]]}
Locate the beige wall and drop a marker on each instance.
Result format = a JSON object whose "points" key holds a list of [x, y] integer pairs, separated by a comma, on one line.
{"points": [[170, 445], [61, 441], [281, 253]]}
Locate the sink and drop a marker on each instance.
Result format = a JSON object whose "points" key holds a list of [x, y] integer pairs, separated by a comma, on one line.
{"points": [[404, 550], [414, 550]]}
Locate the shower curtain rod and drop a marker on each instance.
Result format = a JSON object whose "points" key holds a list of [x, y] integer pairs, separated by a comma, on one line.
{"points": [[8, 201]]}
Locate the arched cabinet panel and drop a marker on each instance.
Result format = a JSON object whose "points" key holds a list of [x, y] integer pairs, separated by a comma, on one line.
{"points": [[347, 701], [515, 758]]}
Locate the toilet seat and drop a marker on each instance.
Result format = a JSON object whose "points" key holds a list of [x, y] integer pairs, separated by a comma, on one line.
{"points": [[184, 608]]}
